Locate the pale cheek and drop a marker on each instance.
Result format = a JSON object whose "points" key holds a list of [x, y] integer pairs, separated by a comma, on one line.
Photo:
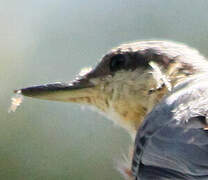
{"points": [[84, 100], [131, 114]]}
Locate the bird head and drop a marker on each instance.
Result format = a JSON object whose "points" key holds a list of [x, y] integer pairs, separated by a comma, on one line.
{"points": [[128, 81]]}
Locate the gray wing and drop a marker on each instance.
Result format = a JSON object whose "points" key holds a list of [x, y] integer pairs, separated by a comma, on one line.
{"points": [[171, 148], [172, 153]]}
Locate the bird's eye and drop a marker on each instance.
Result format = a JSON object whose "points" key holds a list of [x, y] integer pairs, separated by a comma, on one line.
{"points": [[117, 62]]}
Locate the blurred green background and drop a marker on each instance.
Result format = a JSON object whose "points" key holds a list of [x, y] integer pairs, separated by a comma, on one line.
{"points": [[44, 41]]}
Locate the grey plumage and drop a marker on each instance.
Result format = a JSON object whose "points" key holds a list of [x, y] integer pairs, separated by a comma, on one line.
{"points": [[169, 147]]}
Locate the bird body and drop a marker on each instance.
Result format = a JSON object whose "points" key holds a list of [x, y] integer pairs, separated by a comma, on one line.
{"points": [[172, 142], [157, 91]]}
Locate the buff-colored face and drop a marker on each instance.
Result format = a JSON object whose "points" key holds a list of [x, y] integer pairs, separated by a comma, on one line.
{"points": [[123, 97], [127, 83]]}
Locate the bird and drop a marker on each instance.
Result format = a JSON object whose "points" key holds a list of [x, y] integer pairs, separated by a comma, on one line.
{"points": [[156, 90]]}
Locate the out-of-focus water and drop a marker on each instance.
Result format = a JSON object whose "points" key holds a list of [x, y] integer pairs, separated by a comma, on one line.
{"points": [[50, 40]]}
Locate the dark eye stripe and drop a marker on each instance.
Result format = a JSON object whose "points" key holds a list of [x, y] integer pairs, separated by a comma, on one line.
{"points": [[117, 62]]}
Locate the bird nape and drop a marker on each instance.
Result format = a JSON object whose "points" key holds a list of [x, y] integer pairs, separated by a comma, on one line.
{"points": [[158, 92]]}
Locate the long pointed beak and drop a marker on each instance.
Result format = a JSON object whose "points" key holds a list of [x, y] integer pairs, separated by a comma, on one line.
{"points": [[80, 88]]}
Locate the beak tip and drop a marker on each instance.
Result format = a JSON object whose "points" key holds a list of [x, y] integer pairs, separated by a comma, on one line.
{"points": [[17, 91]]}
